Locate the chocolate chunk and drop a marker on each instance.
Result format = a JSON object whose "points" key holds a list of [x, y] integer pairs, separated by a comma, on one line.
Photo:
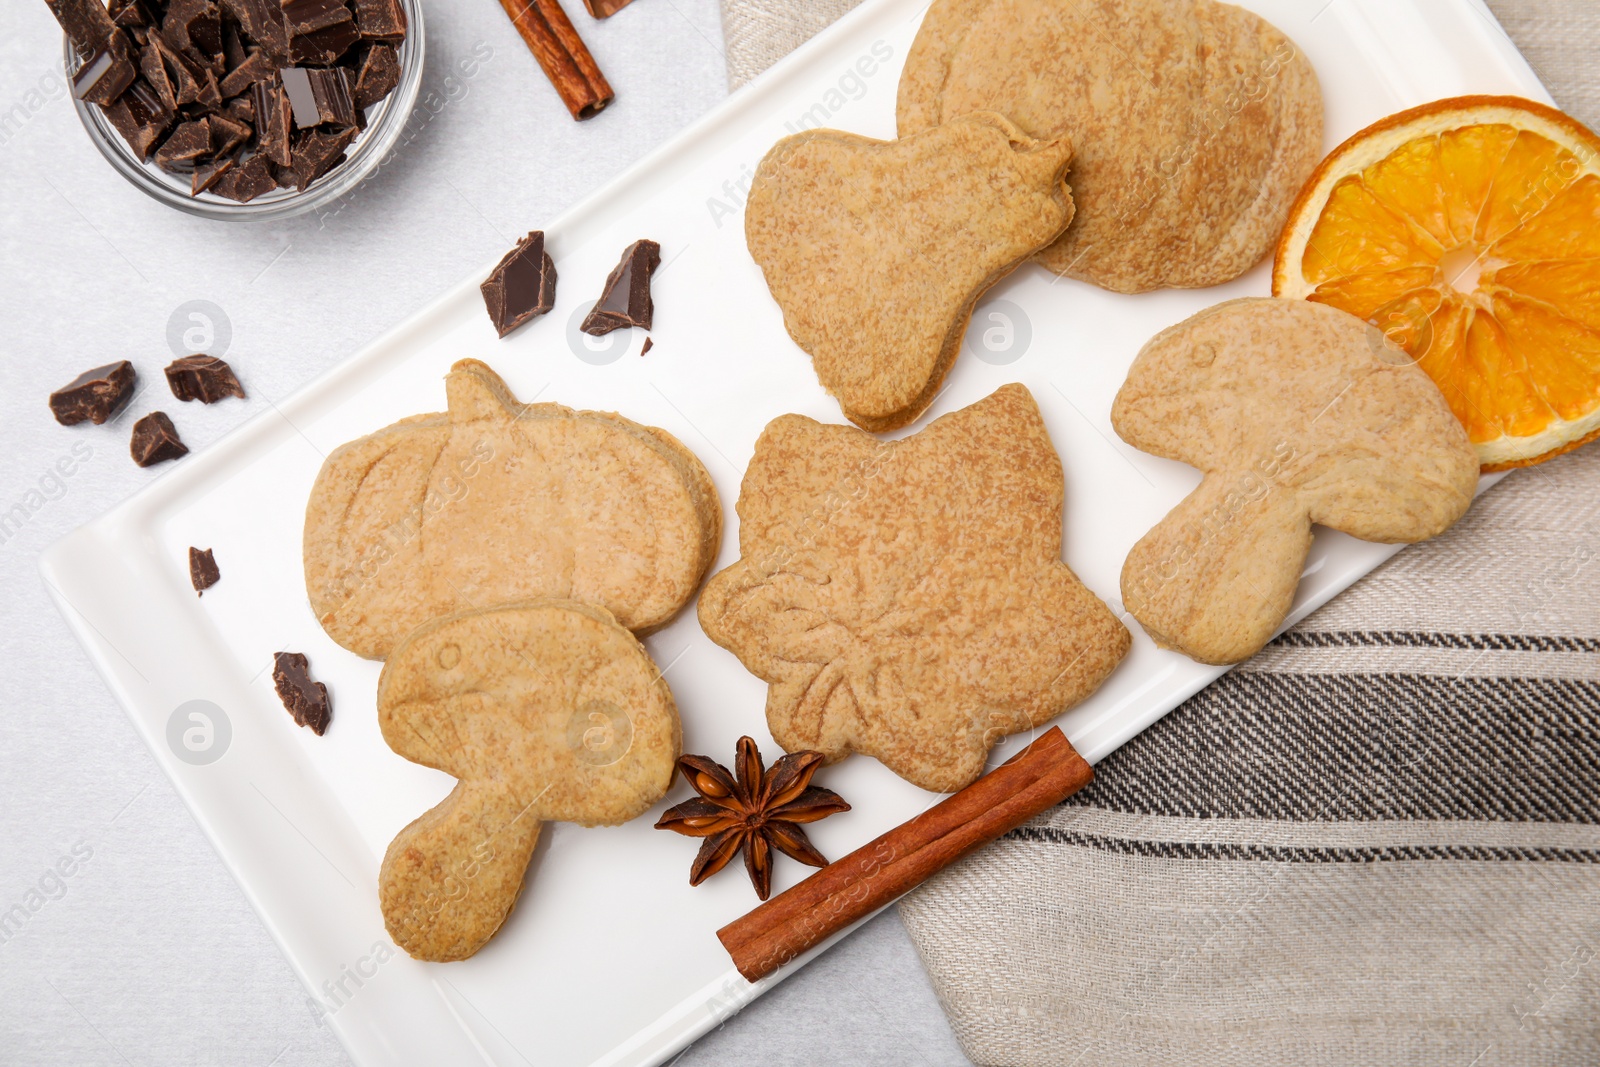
{"points": [[272, 120], [140, 117], [193, 24], [258, 67], [271, 30], [154, 68], [649, 343], [95, 395], [323, 47], [305, 700], [247, 180], [241, 110], [306, 16], [378, 74], [155, 440], [522, 284], [128, 13], [302, 101], [187, 143], [332, 91], [106, 73], [203, 572], [318, 151], [625, 301], [234, 53], [210, 172], [381, 20], [202, 377], [87, 23], [226, 134]]}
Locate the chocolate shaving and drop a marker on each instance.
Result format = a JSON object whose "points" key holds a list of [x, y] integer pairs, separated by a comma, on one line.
{"points": [[155, 440], [203, 572], [95, 395], [521, 286], [625, 301], [201, 377], [305, 700]]}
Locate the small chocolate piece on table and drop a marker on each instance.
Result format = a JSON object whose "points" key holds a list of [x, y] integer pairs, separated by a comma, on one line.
{"points": [[625, 301], [155, 440], [521, 286], [203, 572], [95, 395], [203, 378], [305, 700], [649, 343]]}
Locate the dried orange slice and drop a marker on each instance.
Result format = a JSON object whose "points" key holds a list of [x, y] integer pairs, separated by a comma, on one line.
{"points": [[1468, 230]]}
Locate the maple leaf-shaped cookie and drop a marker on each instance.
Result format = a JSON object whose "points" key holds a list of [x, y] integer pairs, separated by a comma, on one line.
{"points": [[908, 599]]}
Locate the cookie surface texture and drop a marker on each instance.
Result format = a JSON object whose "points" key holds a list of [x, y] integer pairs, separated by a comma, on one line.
{"points": [[1297, 413], [496, 501], [907, 599], [545, 711], [877, 250], [1195, 123]]}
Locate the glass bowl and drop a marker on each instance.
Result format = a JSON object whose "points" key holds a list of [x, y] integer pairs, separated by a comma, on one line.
{"points": [[386, 120]]}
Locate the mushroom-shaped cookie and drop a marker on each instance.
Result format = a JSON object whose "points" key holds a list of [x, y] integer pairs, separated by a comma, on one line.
{"points": [[1297, 413], [496, 501], [546, 711], [877, 250], [908, 599]]}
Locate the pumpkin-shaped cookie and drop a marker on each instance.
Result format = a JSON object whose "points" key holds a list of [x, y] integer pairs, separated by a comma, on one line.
{"points": [[496, 501]]}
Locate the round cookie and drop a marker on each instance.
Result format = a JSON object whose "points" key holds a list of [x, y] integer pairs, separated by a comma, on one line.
{"points": [[1194, 124]]}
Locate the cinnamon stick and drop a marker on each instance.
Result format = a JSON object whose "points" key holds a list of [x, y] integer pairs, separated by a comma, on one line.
{"points": [[1036, 779], [562, 54]]}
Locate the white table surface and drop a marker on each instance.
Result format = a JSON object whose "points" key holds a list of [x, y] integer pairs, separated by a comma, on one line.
{"points": [[148, 952]]}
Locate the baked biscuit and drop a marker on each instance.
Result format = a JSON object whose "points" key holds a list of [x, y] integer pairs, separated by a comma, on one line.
{"points": [[546, 711], [1297, 413], [908, 600], [496, 501], [1195, 123], [877, 250]]}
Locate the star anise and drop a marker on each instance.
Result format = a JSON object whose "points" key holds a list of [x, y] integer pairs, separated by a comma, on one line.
{"points": [[754, 810]]}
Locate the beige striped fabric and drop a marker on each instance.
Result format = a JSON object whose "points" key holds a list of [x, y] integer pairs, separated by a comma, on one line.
{"points": [[1377, 843]]}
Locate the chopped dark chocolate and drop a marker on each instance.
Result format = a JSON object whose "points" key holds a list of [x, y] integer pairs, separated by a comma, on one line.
{"points": [[247, 180], [187, 143], [316, 152], [305, 16], [154, 68], [377, 76], [305, 700], [625, 301], [202, 377], [107, 72], [323, 47], [95, 395], [139, 116], [381, 20], [241, 110], [331, 90], [649, 343], [155, 440], [234, 53], [209, 173], [128, 13], [203, 572], [272, 120], [226, 134], [302, 101], [522, 284], [255, 68], [86, 23], [193, 24]]}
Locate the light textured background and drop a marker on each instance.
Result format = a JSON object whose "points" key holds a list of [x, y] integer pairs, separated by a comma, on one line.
{"points": [[150, 954]]}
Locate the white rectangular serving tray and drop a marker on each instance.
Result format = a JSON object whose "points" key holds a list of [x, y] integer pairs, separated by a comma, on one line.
{"points": [[610, 958]]}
